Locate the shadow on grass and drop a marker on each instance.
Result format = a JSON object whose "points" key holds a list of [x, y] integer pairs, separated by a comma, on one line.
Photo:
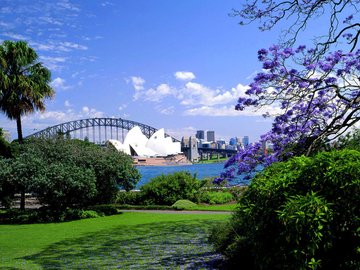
{"points": [[152, 246]]}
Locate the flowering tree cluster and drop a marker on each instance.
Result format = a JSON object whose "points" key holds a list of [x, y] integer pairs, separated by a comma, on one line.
{"points": [[319, 102], [318, 89]]}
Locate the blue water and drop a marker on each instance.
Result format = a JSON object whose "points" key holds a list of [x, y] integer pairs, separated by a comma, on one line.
{"points": [[201, 171]]}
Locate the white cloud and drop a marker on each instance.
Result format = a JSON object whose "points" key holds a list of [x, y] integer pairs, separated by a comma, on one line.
{"points": [[67, 103], [122, 107], [85, 109], [158, 93], [14, 36], [212, 111], [181, 132], [198, 94], [184, 75], [51, 20], [198, 99], [137, 82], [166, 111], [66, 5], [59, 84], [230, 111], [53, 63]]}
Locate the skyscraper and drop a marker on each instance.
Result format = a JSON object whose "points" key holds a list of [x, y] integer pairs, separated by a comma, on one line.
{"points": [[210, 136], [245, 141], [200, 134]]}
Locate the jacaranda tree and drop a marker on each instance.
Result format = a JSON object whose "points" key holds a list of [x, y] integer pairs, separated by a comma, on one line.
{"points": [[318, 89]]}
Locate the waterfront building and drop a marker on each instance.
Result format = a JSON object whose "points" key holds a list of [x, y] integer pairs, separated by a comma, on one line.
{"points": [[245, 141], [137, 144], [233, 141], [221, 144], [193, 153], [200, 134], [210, 136]]}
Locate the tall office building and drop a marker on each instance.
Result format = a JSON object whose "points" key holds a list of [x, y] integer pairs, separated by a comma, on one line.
{"points": [[245, 141], [210, 136], [200, 134]]}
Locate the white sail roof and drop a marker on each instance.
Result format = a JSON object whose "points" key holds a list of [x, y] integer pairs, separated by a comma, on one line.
{"points": [[157, 145]]}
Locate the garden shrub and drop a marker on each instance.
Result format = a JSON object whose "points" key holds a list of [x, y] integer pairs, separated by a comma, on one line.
{"points": [[167, 189], [216, 197], [299, 214], [128, 197], [183, 204], [65, 173], [104, 209]]}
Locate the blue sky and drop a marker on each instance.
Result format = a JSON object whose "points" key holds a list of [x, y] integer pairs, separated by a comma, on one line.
{"points": [[178, 65]]}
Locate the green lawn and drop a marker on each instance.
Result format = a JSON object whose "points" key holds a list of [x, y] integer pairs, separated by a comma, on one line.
{"points": [[216, 207], [125, 241]]}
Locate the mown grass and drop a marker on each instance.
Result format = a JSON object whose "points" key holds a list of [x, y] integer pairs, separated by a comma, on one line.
{"points": [[229, 207], [125, 241], [215, 207]]}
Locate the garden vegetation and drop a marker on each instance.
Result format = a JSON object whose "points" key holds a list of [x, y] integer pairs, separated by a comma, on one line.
{"points": [[65, 173], [299, 214]]}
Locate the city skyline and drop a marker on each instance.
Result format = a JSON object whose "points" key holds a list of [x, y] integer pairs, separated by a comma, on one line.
{"points": [[135, 60]]}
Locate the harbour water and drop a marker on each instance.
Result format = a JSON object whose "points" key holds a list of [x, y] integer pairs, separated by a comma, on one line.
{"points": [[201, 171]]}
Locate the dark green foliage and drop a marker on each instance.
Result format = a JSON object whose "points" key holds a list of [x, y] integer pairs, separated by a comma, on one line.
{"points": [[64, 185], [167, 189], [299, 214], [6, 184], [66, 173], [46, 214], [128, 197], [215, 197], [104, 209]]}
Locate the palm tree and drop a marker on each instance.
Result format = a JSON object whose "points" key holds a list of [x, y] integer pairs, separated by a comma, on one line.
{"points": [[24, 84]]}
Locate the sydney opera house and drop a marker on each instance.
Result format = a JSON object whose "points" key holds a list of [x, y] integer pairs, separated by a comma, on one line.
{"points": [[157, 150]]}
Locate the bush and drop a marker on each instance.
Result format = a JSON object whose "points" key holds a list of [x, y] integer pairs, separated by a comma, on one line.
{"points": [[128, 197], [66, 173], [300, 214], [104, 209], [167, 189], [216, 197], [183, 204], [45, 214]]}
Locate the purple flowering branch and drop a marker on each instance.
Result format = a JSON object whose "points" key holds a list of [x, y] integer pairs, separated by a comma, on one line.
{"points": [[319, 102]]}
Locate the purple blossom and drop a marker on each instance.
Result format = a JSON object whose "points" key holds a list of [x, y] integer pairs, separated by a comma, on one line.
{"points": [[330, 80], [348, 19], [309, 100]]}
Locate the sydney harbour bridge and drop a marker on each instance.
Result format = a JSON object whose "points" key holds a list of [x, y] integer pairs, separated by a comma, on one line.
{"points": [[96, 130], [100, 130]]}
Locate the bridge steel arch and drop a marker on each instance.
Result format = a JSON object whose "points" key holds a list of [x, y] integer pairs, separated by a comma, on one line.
{"points": [[66, 128]]}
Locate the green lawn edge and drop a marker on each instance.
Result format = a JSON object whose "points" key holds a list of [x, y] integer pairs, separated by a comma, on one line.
{"points": [[32, 246]]}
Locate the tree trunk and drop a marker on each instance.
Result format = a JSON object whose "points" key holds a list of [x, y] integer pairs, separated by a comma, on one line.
{"points": [[20, 139], [19, 129]]}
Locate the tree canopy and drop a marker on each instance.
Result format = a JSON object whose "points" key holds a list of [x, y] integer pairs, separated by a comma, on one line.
{"points": [[341, 19], [64, 173], [24, 82], [317, 89]]}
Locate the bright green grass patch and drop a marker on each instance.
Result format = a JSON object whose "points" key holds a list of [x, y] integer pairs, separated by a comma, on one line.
{"points": [[129, 240]]}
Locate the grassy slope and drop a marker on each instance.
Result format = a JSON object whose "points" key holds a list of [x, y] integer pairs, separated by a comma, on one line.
{"points": [[107, 242]]}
